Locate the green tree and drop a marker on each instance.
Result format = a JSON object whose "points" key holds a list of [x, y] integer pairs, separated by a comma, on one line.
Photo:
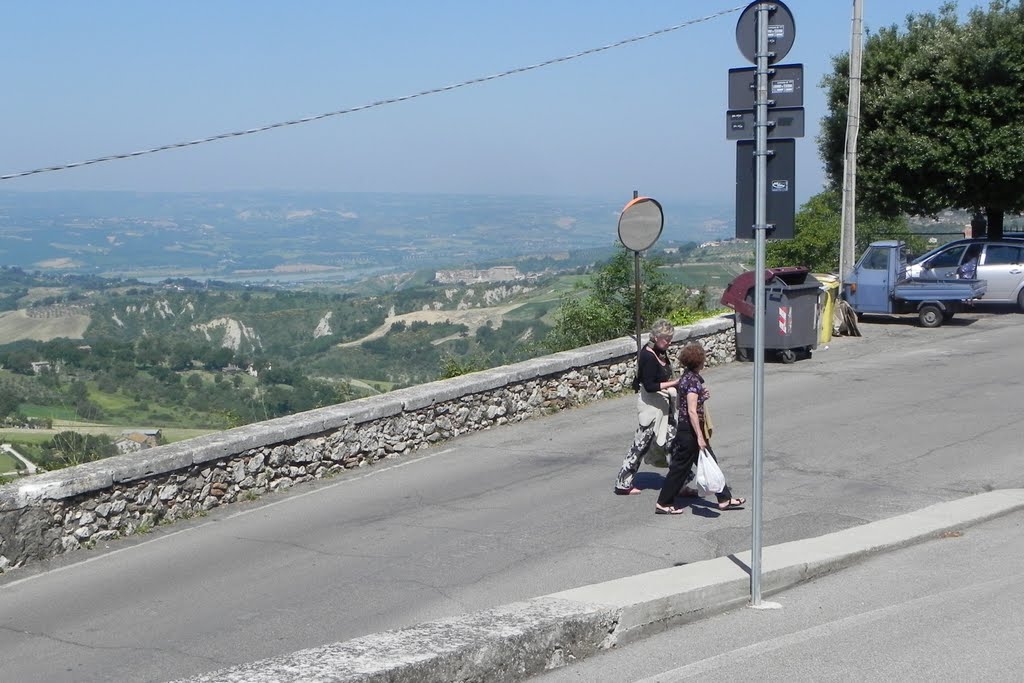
{"points": [[19, 362], [942, 115], [9, 403], [816, 240], [78, 391], [217, 358], [455, 366], [72, 448], [602, 308], [88, 410]]}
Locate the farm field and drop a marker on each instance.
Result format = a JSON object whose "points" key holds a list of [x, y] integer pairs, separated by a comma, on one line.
{"points": [[170, 434], [714, 276], [8, 463], [16, 325]]}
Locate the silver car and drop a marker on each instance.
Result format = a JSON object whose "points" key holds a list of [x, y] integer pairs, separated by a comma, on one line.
{"points": [[999, 262]]}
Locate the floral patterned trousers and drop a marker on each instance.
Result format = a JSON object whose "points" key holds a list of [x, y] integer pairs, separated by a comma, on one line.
{"points": [[631, 463]]}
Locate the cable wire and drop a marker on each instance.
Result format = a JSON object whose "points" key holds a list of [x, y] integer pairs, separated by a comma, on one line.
{"points": [[371, 105]]}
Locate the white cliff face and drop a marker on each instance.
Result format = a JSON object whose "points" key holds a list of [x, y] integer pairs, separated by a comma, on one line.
{"points": [[233, 333], [161, 308], [323, 328], [498, 294]]}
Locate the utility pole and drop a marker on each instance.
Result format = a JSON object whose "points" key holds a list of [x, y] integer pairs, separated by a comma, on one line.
{"points": [[848, 228]]}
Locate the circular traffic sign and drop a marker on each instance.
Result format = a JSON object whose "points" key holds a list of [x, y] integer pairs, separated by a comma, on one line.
{"points": [[781, 31], [640, 223]]}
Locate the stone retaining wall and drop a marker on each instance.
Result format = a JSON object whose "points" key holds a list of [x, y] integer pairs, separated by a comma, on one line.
{"points": [[56, 512]]}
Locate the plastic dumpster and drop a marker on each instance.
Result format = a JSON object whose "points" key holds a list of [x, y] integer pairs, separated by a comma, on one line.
{"points": [[829, 294], [792, 312]]}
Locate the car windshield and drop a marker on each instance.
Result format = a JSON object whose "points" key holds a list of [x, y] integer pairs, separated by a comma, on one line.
{"points": [[1013, 239], [929, 254]]}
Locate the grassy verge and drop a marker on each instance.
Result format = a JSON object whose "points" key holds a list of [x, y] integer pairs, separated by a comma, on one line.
{"points": [[8, 463], [52, 412], [38, 436]]}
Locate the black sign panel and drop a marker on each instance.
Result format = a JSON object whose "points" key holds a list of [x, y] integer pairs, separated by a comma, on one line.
{"points": [[781, 194], [781, 31], [787, 122], [785, 86]]}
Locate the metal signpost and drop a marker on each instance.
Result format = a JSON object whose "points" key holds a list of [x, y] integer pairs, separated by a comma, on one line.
{"points": [[764, 33], [640, 226]]}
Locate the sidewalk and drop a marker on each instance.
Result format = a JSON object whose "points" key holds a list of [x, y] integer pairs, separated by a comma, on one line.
{"points": [[942, 610], [513, 642]]}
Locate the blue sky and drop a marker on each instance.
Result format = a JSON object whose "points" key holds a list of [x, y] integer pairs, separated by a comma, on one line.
{"points": [[84, 80]]}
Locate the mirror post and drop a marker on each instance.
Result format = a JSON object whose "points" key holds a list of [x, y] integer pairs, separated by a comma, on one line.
{"points": [[640, 226], [636, 298]]}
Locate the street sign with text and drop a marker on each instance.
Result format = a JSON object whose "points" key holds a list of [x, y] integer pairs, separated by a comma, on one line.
{"points": [[785, 86], [787, 122]]}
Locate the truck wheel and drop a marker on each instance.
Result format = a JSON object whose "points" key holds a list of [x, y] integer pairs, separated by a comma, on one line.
{"points": [[930, 315], [787, 356]]}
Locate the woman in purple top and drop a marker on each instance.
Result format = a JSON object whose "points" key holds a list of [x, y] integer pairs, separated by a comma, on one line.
{"points": [[692, 434]]}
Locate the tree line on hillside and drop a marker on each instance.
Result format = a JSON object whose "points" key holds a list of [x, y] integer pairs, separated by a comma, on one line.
{"points": [[152, 381]]}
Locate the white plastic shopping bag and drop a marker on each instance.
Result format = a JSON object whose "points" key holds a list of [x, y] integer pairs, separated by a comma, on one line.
{"points": [[709, 474]]}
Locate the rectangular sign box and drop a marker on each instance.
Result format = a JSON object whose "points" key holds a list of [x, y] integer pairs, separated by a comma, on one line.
{"points": [[781, 189], [785, 86], [788, 122]]}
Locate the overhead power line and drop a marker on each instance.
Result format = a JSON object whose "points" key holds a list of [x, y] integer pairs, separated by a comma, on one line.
{"points": [[371, 105]]}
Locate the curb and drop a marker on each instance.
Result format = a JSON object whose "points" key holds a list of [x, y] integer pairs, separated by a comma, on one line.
{"points": [[519, 640]]}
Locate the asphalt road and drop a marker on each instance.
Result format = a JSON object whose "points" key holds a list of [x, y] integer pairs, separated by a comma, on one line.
{"points": [[869, 428]]}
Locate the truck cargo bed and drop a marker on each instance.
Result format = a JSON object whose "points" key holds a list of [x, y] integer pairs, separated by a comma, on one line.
{"points": [[917, 289]]}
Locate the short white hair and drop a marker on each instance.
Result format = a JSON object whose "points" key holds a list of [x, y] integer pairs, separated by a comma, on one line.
{"points": [[662, 328]]}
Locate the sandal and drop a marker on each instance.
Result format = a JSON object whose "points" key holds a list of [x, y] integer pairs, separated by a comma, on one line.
{"points": [[658, 510], [631, 491], [732, 504]]}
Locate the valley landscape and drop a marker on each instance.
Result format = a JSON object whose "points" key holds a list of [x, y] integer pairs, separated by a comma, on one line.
{"points": [[124, 313]]}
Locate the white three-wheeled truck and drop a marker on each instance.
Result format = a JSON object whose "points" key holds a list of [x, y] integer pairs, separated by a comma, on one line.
{"points": [[879, 284]]}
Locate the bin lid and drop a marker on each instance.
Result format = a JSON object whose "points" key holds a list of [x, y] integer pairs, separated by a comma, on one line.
{"points": [[735, 294]]}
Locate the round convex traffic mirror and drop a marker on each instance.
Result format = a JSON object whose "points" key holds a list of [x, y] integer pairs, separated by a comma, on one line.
{"points": [[640, 224]]}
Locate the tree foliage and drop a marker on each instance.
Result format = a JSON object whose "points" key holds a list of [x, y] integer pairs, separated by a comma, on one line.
{"points": [[942, 115], [602, 308], [816, 240], [72, 448]]}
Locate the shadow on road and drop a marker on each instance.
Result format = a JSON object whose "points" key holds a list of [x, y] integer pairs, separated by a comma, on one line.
{"points": [[911, 319]]}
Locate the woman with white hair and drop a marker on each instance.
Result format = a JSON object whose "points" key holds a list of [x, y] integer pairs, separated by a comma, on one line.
{"points": [[655, 399]]}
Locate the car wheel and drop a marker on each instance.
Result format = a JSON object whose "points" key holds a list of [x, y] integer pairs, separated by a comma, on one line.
{"points": [[1020, 301], [930, 315]]}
